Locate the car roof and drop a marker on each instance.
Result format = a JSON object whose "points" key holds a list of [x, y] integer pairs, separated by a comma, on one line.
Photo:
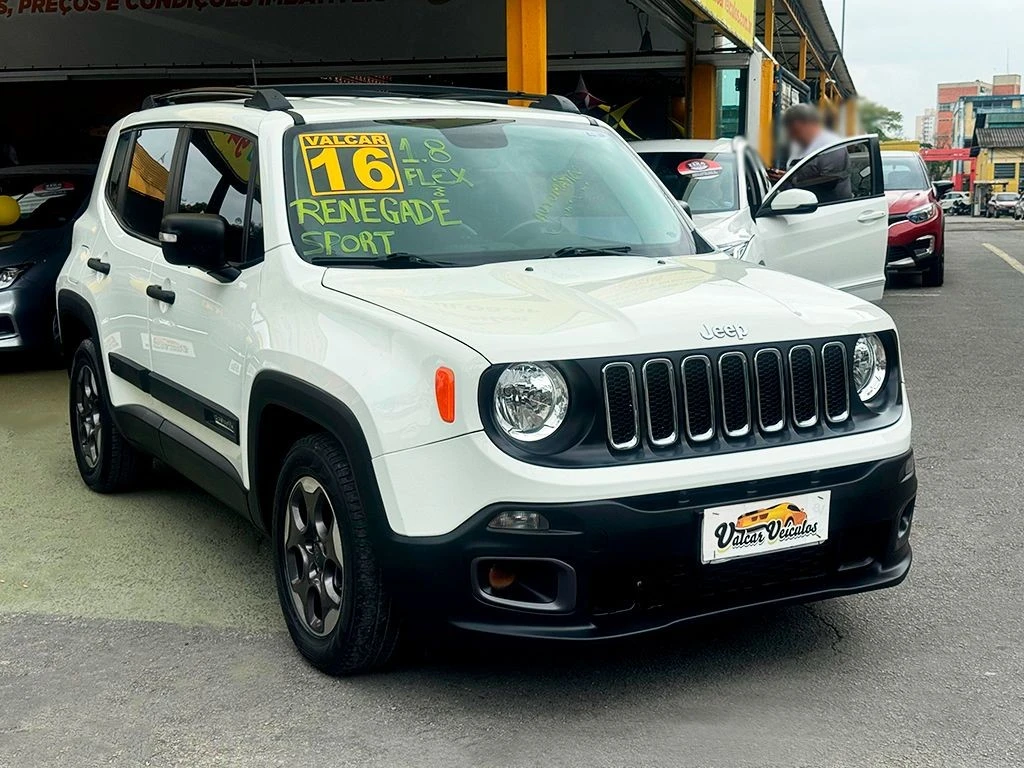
{"points": [[900, 153], [75, 169], [335, 109], [705, 146]]}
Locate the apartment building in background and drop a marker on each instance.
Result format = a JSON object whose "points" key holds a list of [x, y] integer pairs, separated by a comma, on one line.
{"points": [[924, 127], [950, 93]]}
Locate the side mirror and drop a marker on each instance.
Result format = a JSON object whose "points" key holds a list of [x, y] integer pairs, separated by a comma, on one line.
{"points": [[686, 208], [791, 201], [941, 188], [197, 240]]}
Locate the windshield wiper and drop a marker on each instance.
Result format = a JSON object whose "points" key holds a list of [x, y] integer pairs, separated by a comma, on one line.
{"points": [[589, 250], [397, 259]]}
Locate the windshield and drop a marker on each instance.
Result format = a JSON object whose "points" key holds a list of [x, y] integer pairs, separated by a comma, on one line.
{"points": [[705, 180], [45, 201], [1006, 197], [904, 173], [473, 191]]}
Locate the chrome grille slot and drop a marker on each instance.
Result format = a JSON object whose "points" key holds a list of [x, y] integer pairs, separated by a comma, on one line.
{"points": [[620, 406], [835, 378], [660, 402], [698, 403], [735, 393], [770, 387], [803, 386]]}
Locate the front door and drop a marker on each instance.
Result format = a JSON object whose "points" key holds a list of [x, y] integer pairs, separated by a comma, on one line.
{"points": [[200, 327], [842, 244]]}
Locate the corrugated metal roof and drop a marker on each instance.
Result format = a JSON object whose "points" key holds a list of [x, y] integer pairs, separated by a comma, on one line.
{"points": [[1000, 138]]}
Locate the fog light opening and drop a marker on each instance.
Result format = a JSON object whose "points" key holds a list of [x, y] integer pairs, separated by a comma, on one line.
{"points": [[500, 578], [525, 583], [904, 525], [519, 520]]}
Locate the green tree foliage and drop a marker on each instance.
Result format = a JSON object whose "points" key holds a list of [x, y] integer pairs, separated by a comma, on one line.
{"points": [[887, 123]]}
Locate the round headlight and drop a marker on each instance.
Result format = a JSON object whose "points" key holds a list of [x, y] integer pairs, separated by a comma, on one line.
{"points": [[530, 401], [869, 366]]}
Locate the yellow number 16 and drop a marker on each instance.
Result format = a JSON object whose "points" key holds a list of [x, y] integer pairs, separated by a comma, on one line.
{"points": [[369, 164]]}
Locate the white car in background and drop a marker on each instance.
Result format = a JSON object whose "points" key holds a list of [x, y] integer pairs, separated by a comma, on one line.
{"points": [[725, 186]]}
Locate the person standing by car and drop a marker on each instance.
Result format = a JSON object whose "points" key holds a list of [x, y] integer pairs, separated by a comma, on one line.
{"points": [[827, 176]]}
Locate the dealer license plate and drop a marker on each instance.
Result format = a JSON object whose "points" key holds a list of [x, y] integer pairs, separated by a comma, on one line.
{"points": [[763, 527]]}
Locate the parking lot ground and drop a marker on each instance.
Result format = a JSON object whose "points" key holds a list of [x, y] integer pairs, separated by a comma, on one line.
{"points": [[143, 629]]}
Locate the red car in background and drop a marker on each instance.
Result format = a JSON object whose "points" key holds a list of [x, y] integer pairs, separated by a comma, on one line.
{"points": [[917, 225]]}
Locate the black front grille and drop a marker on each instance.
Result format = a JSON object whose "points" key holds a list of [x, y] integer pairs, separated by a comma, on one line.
{"points": [[735, 394], [698, 400], [731, 395], [621, 405], [661, 402], [770, 387], [835, 379], [803, 376]]}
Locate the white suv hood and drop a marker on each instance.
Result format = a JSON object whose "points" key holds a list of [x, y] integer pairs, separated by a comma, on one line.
{"points": [[609, 305]]}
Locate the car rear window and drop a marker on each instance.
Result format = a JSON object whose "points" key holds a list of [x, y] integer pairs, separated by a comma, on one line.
{"points": [[707, 181], [46, 200], [904, 174]]}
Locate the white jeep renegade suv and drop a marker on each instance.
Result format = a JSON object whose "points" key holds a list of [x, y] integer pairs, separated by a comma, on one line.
{"points": [[468, 362]]}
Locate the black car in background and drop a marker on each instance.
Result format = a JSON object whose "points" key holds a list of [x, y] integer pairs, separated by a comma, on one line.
{"points": [[38, 208]]}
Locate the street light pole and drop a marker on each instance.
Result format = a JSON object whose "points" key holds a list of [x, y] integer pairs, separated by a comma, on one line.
{"points": [[842, 30]]}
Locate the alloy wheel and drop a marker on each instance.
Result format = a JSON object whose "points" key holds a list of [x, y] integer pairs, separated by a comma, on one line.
{"points": [[314, 558], [88, 421]]}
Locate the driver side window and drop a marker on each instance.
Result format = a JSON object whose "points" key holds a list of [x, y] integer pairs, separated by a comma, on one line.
{"points": [[216, 180], [838, 175]]}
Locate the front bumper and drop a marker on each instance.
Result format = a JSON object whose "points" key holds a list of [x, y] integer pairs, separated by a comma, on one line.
{"points": [[914, 247], [629, 565], [26, 317]]}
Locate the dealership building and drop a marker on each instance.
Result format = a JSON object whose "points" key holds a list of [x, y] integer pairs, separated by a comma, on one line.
{"points": [[651, 68]]}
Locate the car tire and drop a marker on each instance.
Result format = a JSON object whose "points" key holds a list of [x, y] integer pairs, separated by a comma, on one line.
{"points": [[935, 275], [107, 463], [329, 579]]}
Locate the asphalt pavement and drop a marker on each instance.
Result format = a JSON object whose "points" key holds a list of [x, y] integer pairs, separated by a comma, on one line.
{"points": [[143, 629]]}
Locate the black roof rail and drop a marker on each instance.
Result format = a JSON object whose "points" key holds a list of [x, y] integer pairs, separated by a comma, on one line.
{"points": [[275, 98]]}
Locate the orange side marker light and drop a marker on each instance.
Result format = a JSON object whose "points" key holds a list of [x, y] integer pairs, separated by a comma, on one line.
{"points": [[444, 391]]}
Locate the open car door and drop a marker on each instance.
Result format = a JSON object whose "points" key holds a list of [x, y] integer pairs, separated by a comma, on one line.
{"points": [[827, 219]]}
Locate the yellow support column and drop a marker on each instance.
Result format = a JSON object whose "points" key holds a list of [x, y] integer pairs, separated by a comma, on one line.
{"points": [[852, 117], [526, 33], [705, 102], [767, 137], [802, 66]]}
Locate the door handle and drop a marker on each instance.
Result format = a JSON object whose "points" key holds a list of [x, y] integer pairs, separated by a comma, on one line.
{"points": [[869, 216], [160, 294], [98, 265]]}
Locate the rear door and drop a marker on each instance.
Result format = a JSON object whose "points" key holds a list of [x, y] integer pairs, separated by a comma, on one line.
{"points": [[121, 258], [842, 244]]}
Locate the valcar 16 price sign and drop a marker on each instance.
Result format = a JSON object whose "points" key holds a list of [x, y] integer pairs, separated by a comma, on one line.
{"points": [[350, 163]]}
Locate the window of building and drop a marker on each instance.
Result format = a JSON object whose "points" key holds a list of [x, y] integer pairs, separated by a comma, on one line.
{"points": [[142, 206], [1005, 171]]}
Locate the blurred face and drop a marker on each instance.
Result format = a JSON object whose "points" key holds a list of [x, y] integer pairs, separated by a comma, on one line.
{"points": [[803, 132]]}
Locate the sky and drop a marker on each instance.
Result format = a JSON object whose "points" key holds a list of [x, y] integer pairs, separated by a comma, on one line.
{"points": [[899, 50]]}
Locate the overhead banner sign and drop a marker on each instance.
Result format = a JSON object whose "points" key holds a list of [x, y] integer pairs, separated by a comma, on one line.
{"points": [[735, 17]]}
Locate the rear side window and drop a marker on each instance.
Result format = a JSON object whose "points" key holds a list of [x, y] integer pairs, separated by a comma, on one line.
{"points": [[117, 168], [218, 167], [142, 205]]}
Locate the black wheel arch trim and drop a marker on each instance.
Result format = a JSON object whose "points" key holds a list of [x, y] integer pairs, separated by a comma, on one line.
{"points": [[70, 304], [273, 388]]}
